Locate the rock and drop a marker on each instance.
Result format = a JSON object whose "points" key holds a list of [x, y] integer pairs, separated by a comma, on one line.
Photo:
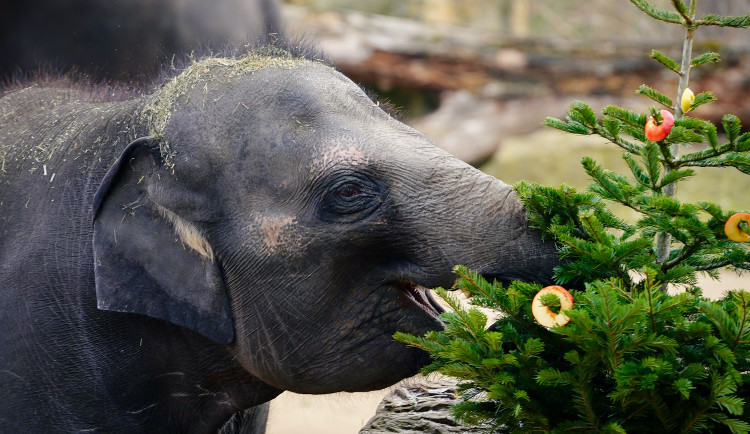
{"points": [[473, 127], [418, 408]]}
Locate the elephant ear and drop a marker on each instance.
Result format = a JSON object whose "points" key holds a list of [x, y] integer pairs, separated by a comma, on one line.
{"points": [[142, 264]]}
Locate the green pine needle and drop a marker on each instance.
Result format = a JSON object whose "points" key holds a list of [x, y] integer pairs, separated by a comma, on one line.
{"points": [[570, 126], [582, 113], [654, 95], [661, 15], [740, 22], [732, 127], [702, 98], [626, 116], [709, 57], [665, 60], [743, 143], [680, 7]]}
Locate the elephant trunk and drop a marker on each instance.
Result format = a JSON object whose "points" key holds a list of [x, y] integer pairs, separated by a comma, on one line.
{"points": [[484, 227]]}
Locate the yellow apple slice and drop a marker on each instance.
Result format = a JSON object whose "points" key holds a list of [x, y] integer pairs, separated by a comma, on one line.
{"points": [[732, 227], [686, 102], [544, 315]]}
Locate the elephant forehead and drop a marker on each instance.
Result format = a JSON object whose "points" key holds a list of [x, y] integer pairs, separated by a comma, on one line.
{"points": [[161, 104], [339, 153]]}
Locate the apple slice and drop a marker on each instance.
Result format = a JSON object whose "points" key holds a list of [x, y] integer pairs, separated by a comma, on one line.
{"points": [[543, 314], [732, 227], [686, 102], [656, 132]]}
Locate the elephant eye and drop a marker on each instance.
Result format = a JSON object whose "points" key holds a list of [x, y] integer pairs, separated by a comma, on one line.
{"points": [[350, 198], [349, 191]]}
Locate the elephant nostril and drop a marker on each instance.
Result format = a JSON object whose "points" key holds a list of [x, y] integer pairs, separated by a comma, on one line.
{"points": [[420, 296]]}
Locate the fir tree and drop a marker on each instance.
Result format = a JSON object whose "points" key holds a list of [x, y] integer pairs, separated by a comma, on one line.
{"points": [[635, 356]]}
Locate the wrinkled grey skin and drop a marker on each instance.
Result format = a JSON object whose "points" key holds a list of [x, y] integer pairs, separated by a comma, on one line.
{"points": [[124, 40], [257, 227], [249, 421]]}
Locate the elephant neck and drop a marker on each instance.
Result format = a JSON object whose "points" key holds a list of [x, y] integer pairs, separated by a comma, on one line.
{"points": [[199, 408], [184, 383]]}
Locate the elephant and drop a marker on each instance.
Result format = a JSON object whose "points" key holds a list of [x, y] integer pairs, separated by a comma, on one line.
{"points": [[125, 41], [255, 224]]}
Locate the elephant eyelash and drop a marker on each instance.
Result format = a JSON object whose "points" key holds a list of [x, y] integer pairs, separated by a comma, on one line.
{"points": [[188, 234]]}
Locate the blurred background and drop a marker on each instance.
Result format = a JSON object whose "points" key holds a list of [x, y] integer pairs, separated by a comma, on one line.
{"points": [[476, 76]]}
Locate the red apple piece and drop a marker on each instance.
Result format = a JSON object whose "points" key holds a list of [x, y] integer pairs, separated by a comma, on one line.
{"points": [[656, 132], [732, 227], [543, 314]]}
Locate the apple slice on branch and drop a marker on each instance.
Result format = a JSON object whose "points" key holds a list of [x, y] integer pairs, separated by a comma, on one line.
{"points": [[736, 228], [658, 129], [542, 312]]}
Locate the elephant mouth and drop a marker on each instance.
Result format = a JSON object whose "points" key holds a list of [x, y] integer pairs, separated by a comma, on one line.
{"points": [[420, 296]]}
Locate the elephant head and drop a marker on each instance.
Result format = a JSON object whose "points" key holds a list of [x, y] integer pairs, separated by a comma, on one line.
{"points": [[275, 209]]}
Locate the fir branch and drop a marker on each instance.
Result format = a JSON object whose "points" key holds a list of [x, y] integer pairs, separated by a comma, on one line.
{"points": [[682, 9], [709, 57], [628, 249], [581, 112], [702, 155], [658, 14], [739, 22], [636, 412], [595, 230], [611, 127], [711, 136], [654, 95], [677, 304], [635, 119], [624, 293], [667, 155], [732, 127], [624, 144], [607, 183], [665, 60], [584, 392], [702, 98], [714, 266], [653, 164], [639, 174], [649, 293], [736, 426], [738, 160], [659, 408], [695, 420], [743, 143], [674, 176], [569, 127], [720, 319], [743, 320], [694, 123], [681, 135], [723, 391], [685, 253]]}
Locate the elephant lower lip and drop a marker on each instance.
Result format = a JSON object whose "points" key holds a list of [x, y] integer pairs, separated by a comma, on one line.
{"points": [[420, 296]]}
